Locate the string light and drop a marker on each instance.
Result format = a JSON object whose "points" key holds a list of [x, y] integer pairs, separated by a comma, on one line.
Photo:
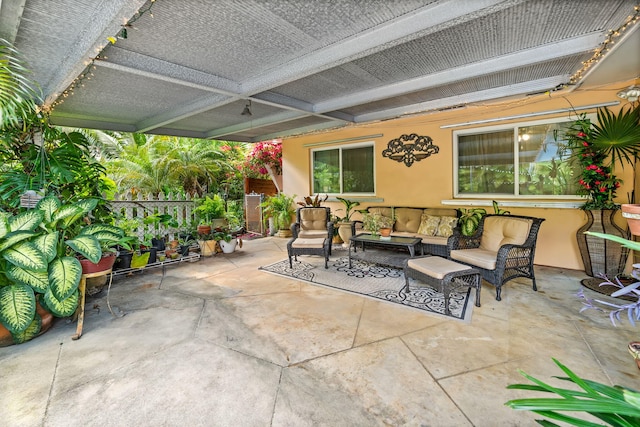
{"points": [[88, 72], [605, 46]]}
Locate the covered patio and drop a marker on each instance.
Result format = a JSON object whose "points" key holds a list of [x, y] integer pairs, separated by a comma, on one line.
{"points": [[221, 343]]}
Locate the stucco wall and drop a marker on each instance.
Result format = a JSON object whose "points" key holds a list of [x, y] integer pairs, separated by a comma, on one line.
{"points": [[430, 181]]}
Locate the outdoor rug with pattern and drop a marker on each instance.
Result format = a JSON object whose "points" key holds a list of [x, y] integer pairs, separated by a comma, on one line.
{"points": [[374, 281]]}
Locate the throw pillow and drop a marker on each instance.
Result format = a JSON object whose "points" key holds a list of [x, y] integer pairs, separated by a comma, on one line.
{"points": [[446, 226], [428, 225]]}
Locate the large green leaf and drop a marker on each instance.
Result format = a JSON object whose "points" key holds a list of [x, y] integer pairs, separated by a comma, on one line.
{"points": [[63, 308], [38, 281], [13, 238], [27, 256], [97, 229], [17, 307], [140, 260], [31, 332], [4, 225], [49, 205], [87, 246], [47, 244], [26, 221], [72, 213], [65, 212], [64, 277]]}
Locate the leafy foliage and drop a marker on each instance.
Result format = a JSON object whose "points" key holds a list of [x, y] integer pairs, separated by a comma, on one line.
{"points": [[617, 406], [18, 95], [280, 208]]}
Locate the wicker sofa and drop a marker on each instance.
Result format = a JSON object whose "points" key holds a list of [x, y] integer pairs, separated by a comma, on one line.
{"points": [[432, 225]]}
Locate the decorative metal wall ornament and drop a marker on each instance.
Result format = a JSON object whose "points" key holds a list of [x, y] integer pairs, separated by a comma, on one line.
{"points": [[410, 148]]}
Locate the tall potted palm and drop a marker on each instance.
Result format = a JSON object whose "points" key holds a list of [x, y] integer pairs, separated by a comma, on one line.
{"points": [[598, 147]]}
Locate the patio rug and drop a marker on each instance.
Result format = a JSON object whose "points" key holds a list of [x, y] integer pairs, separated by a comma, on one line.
{"points": [[374, 281]]}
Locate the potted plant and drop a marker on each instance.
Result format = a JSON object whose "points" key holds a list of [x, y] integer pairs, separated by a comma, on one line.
{"points": [[39, 251], [210, 211], [226, 241], [280, 208], [592, 145], [344, 224], [374, 222], [157, 222]]}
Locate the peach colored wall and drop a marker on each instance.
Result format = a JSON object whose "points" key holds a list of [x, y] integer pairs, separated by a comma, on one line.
{"points": [[429, 181]]}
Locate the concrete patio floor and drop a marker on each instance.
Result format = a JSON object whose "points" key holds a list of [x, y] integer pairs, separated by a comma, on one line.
{"points": [[220, 343]]}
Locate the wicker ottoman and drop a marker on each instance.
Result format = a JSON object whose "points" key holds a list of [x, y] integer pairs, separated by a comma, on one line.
{"points": [[442, 274], [302, 246]]}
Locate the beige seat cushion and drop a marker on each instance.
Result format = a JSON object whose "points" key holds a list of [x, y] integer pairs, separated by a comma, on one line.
{"points": [[313, 234], [307, 243], [479, 257], [503, 230], [433, 240], [313, 219], [435, 266]]}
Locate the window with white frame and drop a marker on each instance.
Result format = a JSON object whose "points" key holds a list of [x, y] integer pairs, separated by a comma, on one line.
{"points": [[524, 159], [346, 169]]}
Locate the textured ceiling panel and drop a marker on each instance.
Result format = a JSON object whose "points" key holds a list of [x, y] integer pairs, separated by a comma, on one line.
{"points": [[131, 100], [279, 128], [513, 76]]}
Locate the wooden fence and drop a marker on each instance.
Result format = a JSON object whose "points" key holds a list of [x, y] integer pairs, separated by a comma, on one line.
{"points": [[179, 207]]}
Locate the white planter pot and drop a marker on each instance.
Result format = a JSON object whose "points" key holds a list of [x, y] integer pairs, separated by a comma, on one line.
{"points": [[228, 247]]}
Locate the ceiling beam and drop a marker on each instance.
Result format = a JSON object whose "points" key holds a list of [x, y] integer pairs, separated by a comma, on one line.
{"points": [[494, 65], [285, 116], [482, 95], [106, 21]]}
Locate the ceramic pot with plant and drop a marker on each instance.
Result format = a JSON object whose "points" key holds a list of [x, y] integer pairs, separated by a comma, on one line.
{"points": [[280, 209], [344, 224]]}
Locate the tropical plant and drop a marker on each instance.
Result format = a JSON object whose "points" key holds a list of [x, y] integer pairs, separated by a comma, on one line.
{"points": [[210, 208], [280, 208], [348, 208], [617, 136], [617, 406], [315, 202], [38, 249], [597, 181], [18, 94], [469, 220]]}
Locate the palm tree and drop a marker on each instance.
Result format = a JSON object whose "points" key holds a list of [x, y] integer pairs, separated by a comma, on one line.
{"points": [[18, 95]]}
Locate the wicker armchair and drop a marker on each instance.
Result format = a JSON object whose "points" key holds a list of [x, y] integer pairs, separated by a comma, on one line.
{"points": [[313, 223], [502, 248]]}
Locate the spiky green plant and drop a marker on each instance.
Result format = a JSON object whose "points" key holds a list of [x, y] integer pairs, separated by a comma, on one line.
{"points": [[617, 406], [618, 135]]}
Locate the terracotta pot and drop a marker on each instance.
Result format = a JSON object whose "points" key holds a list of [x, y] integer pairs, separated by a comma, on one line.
{"points": [[385, 232], [632, 214], [204, 229], [47, 320], [105, 264]]}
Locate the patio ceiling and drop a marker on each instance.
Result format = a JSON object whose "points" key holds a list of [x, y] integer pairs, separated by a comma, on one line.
{"points": [[190, 67]]}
